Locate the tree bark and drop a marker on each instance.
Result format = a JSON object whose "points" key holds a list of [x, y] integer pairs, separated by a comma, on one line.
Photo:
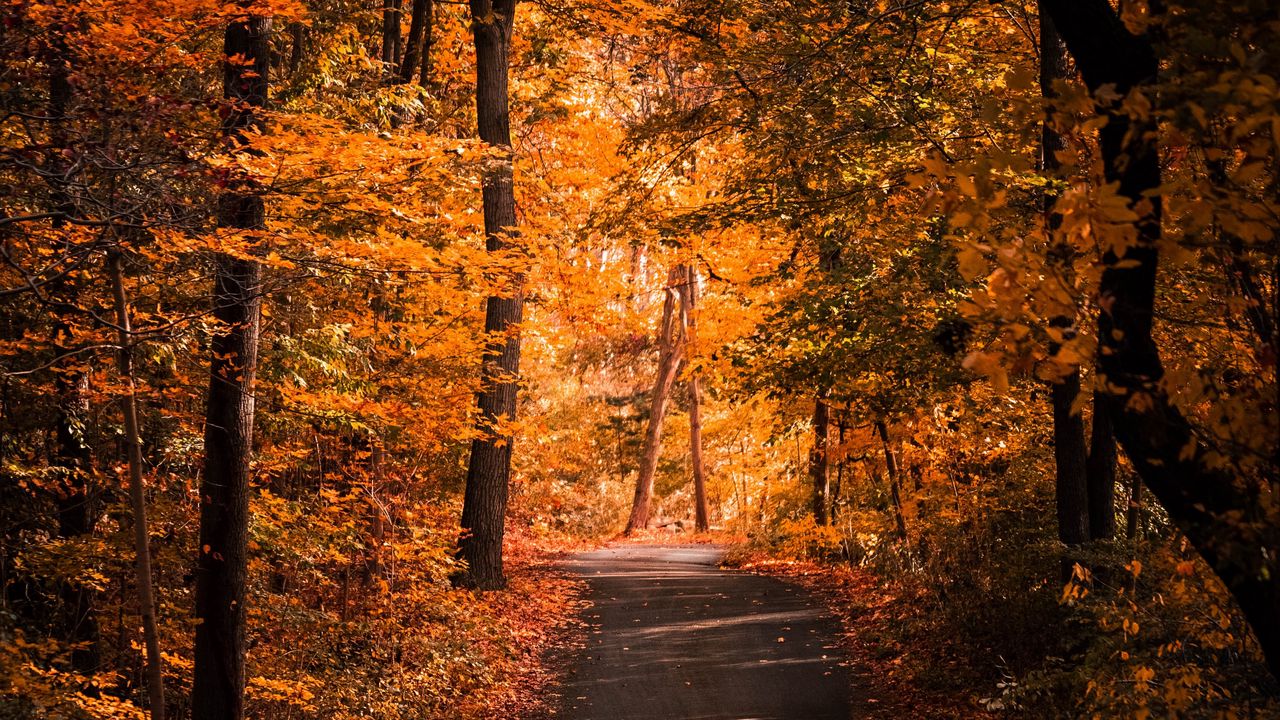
{"points": [[668, 365], [489, 470], [1069, 450], [390, 54], [1220, 514], [818, 465], [219, 673], [1101, 474], [418, 46], [137, 497], [72, 460], [1070, 458], [688, 309], [891, 466], [842, 426], [1133, 510], [298, 34]]}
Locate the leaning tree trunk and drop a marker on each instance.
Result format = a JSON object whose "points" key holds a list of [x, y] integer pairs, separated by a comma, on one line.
{"points": [[484, 507], [688, 309], [1223, 517], [1069, 452], [668, 366], [137, 497], [219, 675], [895, 484]]}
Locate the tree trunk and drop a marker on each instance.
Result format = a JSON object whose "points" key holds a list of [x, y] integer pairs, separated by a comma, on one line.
{"points": [[137, 498], [688, 308], [891, 466], [298, 34], [1069, 450], [72, 461], [1223, 518], [1069, 453], [668, 366], [377, 525], [390, 54], [418, 46], [842, 426], [1133, 510], [484, 506], [818, 465], [1101, 473], [219, 675]]}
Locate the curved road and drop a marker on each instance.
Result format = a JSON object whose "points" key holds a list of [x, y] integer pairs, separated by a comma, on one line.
{"points": [[674, 637]]}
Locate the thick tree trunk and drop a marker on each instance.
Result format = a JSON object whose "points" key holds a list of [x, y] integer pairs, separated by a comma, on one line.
{"points": [[1101, 473], [688, 310], [895, 485], [1069, 451], [137, 497], [1221, 515], [484, 506], [418, 46], [819, 474], [219, 674], [668, 366]]}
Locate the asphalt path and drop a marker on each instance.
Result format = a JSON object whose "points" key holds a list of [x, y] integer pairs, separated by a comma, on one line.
{"points": [[674, 637]]}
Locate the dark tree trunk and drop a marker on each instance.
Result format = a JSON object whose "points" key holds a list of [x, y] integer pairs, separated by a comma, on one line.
{"points": [[418, 46], [895, 485], [77, 515], [1220, 514], [72, 461], [842, 426], [1133, 510], [298, 34], [1069, 451], [218, 689], [484, 505], [668, 368], [819, 473], [390, 54], [1101, 472]]}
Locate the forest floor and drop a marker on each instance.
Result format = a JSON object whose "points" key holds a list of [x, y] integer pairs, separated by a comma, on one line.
{"points": [[673, 635]]}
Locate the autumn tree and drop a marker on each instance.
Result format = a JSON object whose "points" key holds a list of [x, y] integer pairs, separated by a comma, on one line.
{"points": [[222, 564], [688, 311], [489, 469], [1220, 514], [670, 349]]}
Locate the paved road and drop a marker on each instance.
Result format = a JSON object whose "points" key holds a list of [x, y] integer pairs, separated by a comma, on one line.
{"points": [[676, 638]]}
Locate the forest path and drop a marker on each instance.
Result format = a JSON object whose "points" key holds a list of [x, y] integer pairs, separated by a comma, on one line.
{"points": [[674, 637]]}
